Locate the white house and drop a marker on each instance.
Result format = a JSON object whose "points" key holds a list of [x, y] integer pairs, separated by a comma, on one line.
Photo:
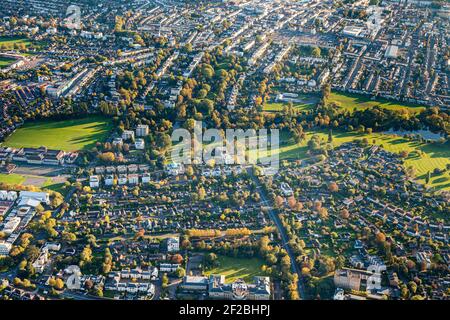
{"points": [[174, 169], [52, 246], [40, 196], [117, 141], [139, 144], [286, 189], [11, 196], [173, 244]]}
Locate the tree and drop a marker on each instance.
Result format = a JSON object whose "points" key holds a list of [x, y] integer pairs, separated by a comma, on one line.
{"points": [[316, 52], [107, 157], [180, 272], [292, 202], [211, 259], [323, 213], [279, 201], [207, 71], [404, 154], [317, 205], [330, 136], [69, 237], [99, 292], [238, 232], [32, 253], [86, 255], [201, 193], [59, 284], [428, 178]]}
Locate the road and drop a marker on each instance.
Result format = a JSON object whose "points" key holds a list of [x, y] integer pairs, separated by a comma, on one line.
{"points": [[284, 238]]}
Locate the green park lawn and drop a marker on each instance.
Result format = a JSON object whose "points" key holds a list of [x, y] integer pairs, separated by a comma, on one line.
{"points": [[237, 268], [351, 102], [422, 157], [5, 62], [68, 135], [38, 181], [278, 106]]}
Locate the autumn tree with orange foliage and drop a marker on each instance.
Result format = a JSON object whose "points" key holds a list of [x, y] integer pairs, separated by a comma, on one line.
{"points": [[345, 214], [323, 213], [206, 233], [333, 187], [317, 205], [177, 258], [279, 201]]}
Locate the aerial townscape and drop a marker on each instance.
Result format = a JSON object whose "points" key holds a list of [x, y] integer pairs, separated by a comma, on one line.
{"points": [[96, 94]]}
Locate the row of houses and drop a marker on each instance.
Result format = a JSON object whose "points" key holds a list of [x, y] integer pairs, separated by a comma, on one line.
{"points": [[131, 168], [38, 156], [132, 281]]}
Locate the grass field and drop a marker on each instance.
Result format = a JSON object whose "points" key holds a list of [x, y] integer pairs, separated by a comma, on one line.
{"points": [[360, 102], [12, 178], [5, 62], [423, 157], [308, 102], [238, 268], [68, 135]]}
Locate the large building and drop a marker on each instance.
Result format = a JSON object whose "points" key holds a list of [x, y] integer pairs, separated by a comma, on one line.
{"points": [[351, 279], [5, 248], [239, 290], [142, 130], [194, 283], [39, 196], [132, 281]]}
